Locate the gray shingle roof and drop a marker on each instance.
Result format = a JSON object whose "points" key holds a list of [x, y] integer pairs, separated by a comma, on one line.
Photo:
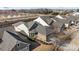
{"points": [[41, 29], [21, 46], [15, 36], [9, 28], [47, 19], [8, 42], [32, 25], [44, 29], [11, 41]]}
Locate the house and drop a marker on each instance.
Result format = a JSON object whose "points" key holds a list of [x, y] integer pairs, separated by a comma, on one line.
{"points": [[62, 24], [9, 41], [59, 24], [28, 38], [29, 25], [25, 28], [72, 20], [41, 32], [44, 20], [14, 16], [38, 31], [9, 16], [59, 17], [18, 15], [75, 14], [21, 27]]}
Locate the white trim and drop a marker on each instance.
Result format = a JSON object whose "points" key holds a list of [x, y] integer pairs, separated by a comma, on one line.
{"points": [[41, 21], [60, 17], [22, 27]]}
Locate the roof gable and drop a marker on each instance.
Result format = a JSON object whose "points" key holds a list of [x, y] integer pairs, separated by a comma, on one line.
{"points": [[41, 21], [21, 27], [60, 17], [47, 19]]}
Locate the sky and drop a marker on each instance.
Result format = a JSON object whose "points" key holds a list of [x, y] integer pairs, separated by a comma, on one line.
{"points": [[39, 4]]}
